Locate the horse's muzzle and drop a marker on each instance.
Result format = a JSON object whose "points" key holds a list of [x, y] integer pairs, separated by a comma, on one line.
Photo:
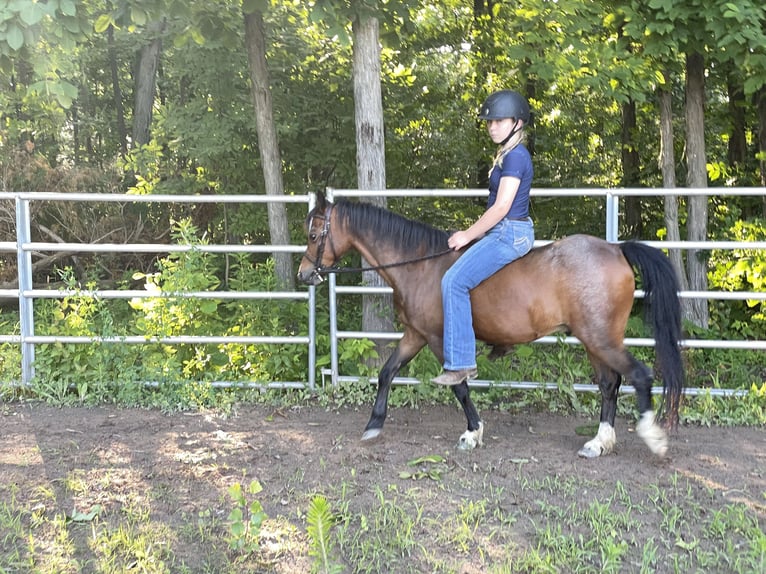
{"points": [[310, 277]]}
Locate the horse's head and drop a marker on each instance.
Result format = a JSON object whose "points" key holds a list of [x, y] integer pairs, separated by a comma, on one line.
{"points": [[320, 252]]}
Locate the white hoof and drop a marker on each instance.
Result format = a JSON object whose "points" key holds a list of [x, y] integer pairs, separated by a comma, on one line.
{"points": [[371, 434], [602, 443], [652, 434], [469, 440]]}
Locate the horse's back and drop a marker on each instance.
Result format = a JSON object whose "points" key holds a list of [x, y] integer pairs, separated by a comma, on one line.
{"points": [[556, 287]]}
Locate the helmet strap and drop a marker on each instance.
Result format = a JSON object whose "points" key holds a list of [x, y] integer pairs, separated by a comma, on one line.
{"points": [[514, 131]]}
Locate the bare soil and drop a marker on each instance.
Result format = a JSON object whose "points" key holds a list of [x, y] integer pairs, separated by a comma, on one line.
{"points": [[179, 467]]}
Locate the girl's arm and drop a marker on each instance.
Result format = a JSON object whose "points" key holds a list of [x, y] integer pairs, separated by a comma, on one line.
{"points": [[506, 192]]}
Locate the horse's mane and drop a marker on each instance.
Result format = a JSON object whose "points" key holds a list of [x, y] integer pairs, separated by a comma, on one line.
{"points": [[405, 234]]}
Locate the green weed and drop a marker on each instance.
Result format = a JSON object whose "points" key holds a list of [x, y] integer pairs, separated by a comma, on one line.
{"points": [[245, 519], [320, 522]]}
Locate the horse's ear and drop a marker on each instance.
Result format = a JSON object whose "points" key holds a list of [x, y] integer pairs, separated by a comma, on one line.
{"points": [[321, 203]]}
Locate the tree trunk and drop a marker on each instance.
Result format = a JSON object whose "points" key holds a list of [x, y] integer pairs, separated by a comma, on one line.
{"points": [[668, 168], [737, 150], [377, 312], [268, 145], [630, 171], [119, 111], [145, 84], [696, 260], [761, 99]]}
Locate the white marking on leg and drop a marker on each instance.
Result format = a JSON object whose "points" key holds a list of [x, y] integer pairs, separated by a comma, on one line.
{"points": [[469, 440], [371, 434], [602, 443], [652, 434]]}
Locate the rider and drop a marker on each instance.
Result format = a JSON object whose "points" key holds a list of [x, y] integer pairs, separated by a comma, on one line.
{"points": [[504, 232]]}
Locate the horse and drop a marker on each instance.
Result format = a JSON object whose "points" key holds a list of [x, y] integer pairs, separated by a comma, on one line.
{"points": [[580, 285]]}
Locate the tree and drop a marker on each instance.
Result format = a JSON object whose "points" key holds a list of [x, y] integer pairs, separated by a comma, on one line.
{"points": [[667, 162], [377, 314], [696, 178], [268, 145], [146, 82], [761, 107], [370, 153]]}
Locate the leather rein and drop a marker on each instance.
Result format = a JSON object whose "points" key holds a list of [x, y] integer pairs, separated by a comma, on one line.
{"points": [[325, 235]]}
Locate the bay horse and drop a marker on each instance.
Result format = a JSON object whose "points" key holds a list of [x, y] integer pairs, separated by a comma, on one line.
{"points": [[581, 285]]}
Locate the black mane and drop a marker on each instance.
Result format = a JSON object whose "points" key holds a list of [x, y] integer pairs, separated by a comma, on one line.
{"points": [[402, 233]]}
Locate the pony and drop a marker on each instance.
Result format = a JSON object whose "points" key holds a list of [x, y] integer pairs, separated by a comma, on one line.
{"points": [[579, 285]]}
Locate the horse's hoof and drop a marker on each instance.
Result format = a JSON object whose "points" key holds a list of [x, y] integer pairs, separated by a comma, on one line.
{"points": [[590, 451], [652, 434], [469, 440], [602, 443], [371, 434]]}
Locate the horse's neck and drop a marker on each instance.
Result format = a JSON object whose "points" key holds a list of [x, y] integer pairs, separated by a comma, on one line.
{"points": [[395, 271]]}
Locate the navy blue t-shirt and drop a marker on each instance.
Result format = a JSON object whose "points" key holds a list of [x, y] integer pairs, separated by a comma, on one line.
{"points": [[516, 163]]}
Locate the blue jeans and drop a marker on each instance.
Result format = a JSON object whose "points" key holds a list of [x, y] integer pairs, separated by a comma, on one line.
{"points": [[505, 242]]}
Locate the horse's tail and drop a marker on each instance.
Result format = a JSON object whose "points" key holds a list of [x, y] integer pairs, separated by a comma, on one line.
{"points": [[663, 311]]}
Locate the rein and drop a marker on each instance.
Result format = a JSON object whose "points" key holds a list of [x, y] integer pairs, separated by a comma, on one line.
{"points": [[325, 235], [334, 269]]}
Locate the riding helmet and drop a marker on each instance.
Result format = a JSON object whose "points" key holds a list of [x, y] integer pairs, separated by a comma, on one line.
{"points": [[505, 104]]}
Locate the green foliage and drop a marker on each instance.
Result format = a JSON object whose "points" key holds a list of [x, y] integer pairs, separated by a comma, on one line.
{"points": [[747, 409], [180, 372], [10, 354], [245, 519], [94, 371], [741, 270], [431, 466], [353, 355], [320, 521], [168, 316]]}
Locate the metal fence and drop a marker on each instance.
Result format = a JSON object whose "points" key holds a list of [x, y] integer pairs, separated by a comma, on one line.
{"points": [[612, 203], [27, 294]]}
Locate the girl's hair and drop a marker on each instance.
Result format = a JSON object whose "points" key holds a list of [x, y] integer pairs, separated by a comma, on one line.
{"points": [[519, 137]]}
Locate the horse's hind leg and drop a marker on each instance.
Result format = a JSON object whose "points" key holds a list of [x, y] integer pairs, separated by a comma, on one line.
{"points": [[641, 377], [408, 347], [609, 383], [647, 428]]}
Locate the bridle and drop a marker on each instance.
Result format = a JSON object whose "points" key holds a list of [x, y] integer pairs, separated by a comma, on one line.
{"points": [[324, 235], [319, 271]]}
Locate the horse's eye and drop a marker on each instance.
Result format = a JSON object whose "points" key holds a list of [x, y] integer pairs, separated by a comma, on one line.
{"points": [[313, 236]]}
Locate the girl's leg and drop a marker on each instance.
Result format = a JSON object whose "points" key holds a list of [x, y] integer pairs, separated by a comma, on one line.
{"points": [[507, 241]]}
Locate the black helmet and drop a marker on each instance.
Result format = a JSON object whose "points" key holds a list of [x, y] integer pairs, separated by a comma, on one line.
{"points": [[505, 104]]}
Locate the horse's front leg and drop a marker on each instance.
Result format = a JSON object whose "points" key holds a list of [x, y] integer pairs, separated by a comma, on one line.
{"points": [[472, 437], [409, 346]]}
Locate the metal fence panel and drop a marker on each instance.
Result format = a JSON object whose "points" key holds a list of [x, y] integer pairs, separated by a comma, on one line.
{"points": [[27, 295], [611, 198]]}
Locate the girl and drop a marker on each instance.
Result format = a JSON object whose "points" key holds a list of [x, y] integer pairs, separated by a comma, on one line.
{"points": [[504, 232]]}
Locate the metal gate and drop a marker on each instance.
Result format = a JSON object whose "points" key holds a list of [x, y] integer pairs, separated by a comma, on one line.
{"points": [[27, 294]]}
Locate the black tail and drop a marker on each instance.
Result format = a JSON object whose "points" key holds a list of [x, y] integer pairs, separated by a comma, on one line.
{"points": [[663, 312]]}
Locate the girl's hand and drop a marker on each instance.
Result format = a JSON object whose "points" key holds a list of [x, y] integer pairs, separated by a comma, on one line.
{"points": [[458, 240]]}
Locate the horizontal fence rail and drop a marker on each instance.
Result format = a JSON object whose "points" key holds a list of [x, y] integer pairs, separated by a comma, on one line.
{"points": [[24, 247], [611, 198]]}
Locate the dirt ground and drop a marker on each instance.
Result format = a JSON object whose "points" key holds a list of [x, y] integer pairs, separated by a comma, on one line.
{"points": [[180, 465]]}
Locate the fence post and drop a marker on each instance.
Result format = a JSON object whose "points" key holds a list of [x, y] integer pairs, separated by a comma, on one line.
{"points": [[333, 304], [612, 216], [26, 304]]}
